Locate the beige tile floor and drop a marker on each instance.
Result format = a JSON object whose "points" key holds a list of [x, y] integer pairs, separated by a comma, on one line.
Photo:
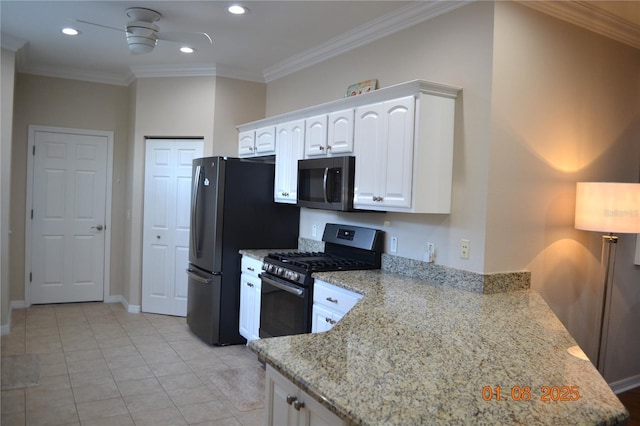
{"points": [[101, 365]]}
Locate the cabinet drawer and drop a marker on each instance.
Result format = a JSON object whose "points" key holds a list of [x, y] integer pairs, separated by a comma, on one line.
{"points": [[251, 266], [334, 298]]}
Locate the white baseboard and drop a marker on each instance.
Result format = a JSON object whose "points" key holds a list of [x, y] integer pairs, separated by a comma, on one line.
{"points": [[14, 304], [18, 304], [625, 384], [132, 309], [114, 299]]}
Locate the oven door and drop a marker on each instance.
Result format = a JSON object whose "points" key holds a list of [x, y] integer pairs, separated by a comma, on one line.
{"points": [[285, 308]]}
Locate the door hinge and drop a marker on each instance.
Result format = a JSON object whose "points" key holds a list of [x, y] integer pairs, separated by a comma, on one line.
{"points": [[31, 213], [30, 276], [34, 150]]}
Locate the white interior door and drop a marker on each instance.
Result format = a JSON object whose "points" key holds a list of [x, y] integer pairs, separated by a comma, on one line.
{"points": [[165, 239], [69, 212]]}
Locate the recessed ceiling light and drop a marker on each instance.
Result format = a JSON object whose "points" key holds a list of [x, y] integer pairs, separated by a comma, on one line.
{"points": [[70, 31], [236, 9], [187, 49]]}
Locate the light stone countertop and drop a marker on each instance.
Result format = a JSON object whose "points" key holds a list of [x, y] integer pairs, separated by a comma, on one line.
{"points": [[415, 353]]}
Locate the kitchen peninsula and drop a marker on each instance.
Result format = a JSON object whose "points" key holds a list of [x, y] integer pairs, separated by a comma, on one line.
{"points": [[411, 352]]}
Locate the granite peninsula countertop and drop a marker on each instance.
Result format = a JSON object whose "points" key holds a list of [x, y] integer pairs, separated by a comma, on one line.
{"points": [[415, 353]]}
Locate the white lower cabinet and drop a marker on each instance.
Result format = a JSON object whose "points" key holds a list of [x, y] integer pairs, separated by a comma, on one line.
{"points": [[330, 304], [250, 286], [287, 404]]}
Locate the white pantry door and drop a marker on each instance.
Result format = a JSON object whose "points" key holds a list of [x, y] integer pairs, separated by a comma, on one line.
{"points": [[69, 210], [165, 235]]}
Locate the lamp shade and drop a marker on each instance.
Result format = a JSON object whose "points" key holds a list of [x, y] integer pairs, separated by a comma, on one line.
{"points": [[608, 207]]}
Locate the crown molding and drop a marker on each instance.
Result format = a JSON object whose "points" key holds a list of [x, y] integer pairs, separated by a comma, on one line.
{"points": [[144, 71], [77, 74], [384, 26], [589, 16], [11, 43]]}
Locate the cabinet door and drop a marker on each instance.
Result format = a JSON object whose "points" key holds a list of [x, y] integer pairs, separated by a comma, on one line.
{"points": [[397, 168], [340, 132], [248, 285], [384, 154], [322, 319], [315, 137], [246, 143], [254, 331], [368, 151], [315, 414], [289, 149], [277, 411], [266, 141]]}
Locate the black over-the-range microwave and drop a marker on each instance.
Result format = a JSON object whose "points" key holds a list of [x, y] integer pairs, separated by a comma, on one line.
{"points": [[326, 183]]}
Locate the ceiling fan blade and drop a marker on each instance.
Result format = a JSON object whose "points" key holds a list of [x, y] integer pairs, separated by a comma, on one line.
{"points": [[185, 37], [100, 25]]}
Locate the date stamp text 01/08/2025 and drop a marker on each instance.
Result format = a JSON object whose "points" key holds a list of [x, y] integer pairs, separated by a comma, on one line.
{"points": [[524, 393]]}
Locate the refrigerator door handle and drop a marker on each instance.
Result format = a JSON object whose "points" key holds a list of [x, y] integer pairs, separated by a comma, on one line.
{"points": [[191, 273], [194, 215]]}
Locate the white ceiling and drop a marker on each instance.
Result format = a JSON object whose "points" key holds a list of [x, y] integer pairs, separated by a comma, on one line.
{"points": [[274, 39]]}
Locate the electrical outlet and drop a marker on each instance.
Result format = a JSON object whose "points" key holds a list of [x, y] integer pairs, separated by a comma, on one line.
{"points": [[314, 230], [465, 248], [430, 254], [394, 245]]}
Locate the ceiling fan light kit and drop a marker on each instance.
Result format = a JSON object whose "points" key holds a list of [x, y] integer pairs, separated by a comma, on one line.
{"points": [[143, 35]]}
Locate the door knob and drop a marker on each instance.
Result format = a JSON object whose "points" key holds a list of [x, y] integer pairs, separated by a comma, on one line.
{"points": [[99, 227]]}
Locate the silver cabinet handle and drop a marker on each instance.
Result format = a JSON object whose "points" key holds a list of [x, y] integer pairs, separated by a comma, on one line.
{"points": [[330, 321], [321, 148], [250, 268], [298, 405], [291, 399], [332, 300], [99, 227], [249, 285]]}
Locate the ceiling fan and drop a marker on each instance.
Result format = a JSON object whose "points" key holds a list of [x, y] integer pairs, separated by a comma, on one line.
{"points": [[143, 34]]}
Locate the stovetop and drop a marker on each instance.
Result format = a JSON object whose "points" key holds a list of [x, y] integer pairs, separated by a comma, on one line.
{"points": [[317, 261]]}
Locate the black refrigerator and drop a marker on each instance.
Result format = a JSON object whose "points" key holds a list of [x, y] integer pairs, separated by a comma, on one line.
{"points": [[232, 208]]}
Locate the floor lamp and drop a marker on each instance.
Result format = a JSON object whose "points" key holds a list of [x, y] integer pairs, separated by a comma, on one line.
{"points": [[613, 208]]}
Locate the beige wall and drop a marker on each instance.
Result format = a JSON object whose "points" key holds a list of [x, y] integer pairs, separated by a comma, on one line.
{"points": [[544, 104], [7, 61], [437, 50], [236, 102], [565, 109], [58, 102], [164, 107]]}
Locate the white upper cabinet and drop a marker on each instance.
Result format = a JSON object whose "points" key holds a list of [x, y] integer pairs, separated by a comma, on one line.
{"points": [[289, 149], [384, 155], [315, 138], [258, 142], [329, 134], [401, 136]]}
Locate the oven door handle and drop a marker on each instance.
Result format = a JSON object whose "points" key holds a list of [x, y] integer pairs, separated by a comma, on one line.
{"points": [[281, 286], [324, 184]]}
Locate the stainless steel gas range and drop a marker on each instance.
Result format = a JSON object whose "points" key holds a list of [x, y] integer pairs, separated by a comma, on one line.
{"points": [[287, 284]]}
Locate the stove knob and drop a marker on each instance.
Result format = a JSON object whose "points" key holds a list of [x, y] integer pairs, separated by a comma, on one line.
{"points": [[294, 276], [279, 271], [265, 267], [271, 268]]}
